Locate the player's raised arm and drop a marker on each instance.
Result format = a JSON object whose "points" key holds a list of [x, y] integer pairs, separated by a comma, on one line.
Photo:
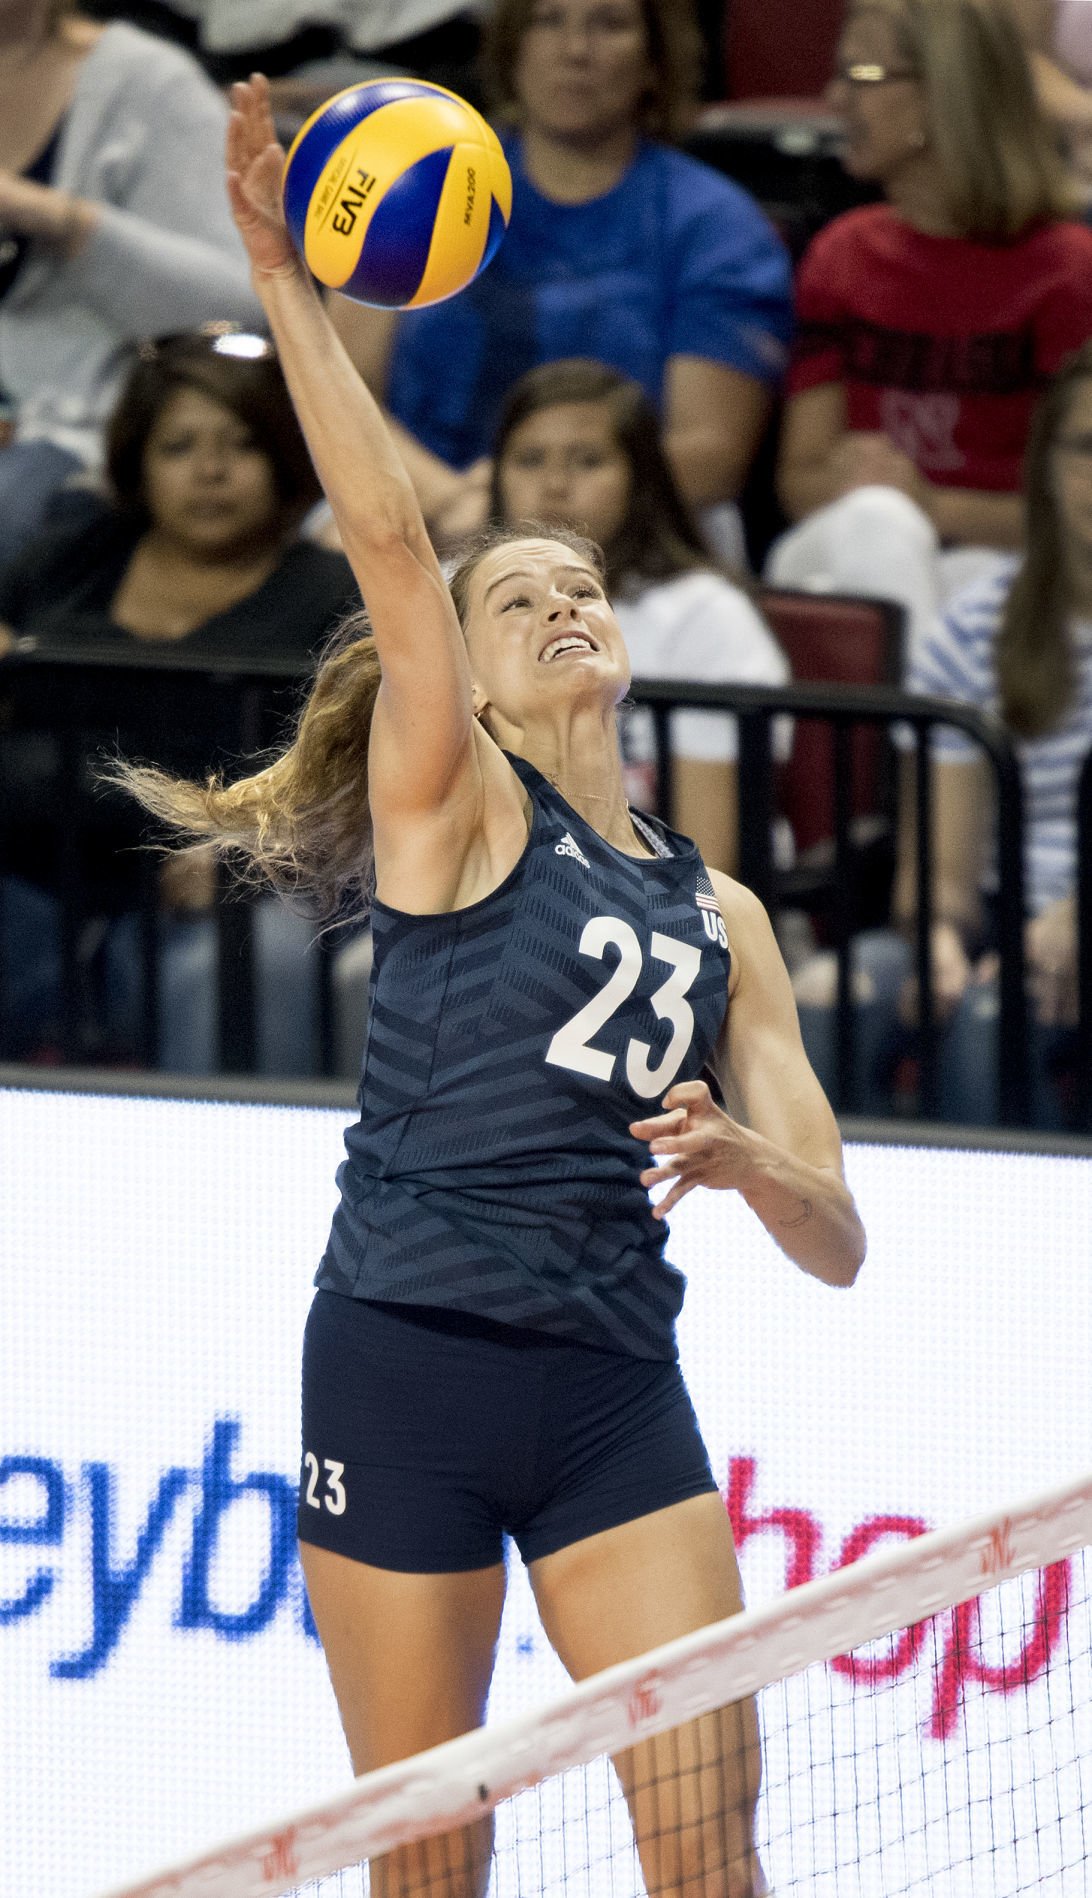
{"points": [[425, 707], [785, 1157]]}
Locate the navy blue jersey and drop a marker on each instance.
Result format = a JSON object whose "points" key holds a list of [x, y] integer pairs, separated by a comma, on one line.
{"points": [[509, 1046]]}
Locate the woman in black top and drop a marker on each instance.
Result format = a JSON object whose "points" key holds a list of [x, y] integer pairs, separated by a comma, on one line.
{"points": [[196, 550]]}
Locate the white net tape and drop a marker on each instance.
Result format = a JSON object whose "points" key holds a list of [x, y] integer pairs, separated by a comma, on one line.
{"points": [[895, 1589]]}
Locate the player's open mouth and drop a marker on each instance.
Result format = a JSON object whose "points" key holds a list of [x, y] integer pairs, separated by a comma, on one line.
{"points": [[568, 642]]}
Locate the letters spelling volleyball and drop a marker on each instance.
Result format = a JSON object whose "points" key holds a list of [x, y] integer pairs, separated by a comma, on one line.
{"points": [[396, 193]]}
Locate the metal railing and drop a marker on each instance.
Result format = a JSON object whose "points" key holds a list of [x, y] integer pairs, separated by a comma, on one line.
{"points": [[843, 708], [160, 706]]}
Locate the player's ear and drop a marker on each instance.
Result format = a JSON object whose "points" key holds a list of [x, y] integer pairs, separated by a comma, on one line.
{"points": [[479, 702]]}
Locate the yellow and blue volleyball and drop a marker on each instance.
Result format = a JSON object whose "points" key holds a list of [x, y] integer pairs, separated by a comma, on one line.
{"points": [[397, 193]]}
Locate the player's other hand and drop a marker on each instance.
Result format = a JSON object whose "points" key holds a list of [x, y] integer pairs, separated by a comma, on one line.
{"points": [[694, 1143], [255, 166]]}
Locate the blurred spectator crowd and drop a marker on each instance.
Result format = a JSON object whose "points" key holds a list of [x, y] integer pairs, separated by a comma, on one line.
{"points": [[796, 302]]}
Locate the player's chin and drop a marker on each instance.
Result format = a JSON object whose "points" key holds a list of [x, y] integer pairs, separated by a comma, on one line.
{"points": [[585, 675]]}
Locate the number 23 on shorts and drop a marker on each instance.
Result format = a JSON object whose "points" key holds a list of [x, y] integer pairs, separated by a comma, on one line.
{"points": [[334, 1499]]}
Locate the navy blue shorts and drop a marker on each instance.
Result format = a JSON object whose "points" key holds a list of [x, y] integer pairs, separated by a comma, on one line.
{"points": [[429, 1435]]}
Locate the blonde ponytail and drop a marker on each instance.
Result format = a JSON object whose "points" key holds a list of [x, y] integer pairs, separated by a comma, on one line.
{"points": [[301, 824]]}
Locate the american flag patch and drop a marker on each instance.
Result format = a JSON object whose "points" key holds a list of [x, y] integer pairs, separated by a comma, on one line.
{"points": [[704, 895]]}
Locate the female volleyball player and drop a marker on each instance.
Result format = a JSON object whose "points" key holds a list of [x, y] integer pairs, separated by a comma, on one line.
{"points": [[491, 1348]]}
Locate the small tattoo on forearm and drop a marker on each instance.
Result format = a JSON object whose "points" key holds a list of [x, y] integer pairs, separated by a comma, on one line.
{"points": [[802, 1216]]}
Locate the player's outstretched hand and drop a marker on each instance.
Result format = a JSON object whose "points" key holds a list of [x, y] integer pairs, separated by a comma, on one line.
{"points": [[255, 166], [694, 1143]]}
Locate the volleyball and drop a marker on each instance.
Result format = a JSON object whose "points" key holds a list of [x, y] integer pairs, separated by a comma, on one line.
{"points": [[396, 193]]}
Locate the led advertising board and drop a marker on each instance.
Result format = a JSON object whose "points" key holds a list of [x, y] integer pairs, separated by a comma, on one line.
{"points": [[163, 1685]]}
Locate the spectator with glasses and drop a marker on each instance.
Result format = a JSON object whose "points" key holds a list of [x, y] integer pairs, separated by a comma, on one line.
{"points": [[929, 323]]}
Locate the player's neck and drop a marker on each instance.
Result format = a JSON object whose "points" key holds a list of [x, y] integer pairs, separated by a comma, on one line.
{"points": [[585, 767]]}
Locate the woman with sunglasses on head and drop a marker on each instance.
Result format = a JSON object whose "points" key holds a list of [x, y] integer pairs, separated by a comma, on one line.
{"points": [[113, 227], [928, 324], [195, 550], [491, 1349]]}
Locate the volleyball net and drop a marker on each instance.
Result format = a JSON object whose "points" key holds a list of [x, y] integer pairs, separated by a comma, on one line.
{"points": [[916, 1724]]}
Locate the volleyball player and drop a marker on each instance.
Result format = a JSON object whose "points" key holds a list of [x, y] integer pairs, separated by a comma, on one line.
{"points": [[491, 1349]]}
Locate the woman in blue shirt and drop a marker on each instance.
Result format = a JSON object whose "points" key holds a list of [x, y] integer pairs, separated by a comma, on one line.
{"points": [[620, 247]]}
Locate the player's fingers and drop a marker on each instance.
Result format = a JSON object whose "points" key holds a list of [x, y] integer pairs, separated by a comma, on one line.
{"points": [[263, 107], [656, 1175], [266, 177], [678, 1191], [679, 1143], [238, 149], [241, 208], [245, 105], [657, 1124], [688, 1094]]}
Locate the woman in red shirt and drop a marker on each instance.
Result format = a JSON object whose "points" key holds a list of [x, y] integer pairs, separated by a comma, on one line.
{"points": [[928, 323]]}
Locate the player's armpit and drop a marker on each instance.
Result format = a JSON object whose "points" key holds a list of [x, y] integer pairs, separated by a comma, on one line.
{"points": [[437, 855]]}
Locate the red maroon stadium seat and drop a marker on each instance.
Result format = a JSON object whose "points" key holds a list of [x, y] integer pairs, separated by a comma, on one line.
{"points": [[836, 639], [780, 49]]}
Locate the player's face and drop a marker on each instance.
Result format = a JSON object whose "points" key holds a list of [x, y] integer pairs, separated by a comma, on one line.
{"points": [[540, 631], [583, 69], [885, 121], [1072, 469], [563, 465], [205, 479]]}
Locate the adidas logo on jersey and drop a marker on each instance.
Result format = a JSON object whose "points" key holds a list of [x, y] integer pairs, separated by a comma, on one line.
{"points": [[569, 848]]}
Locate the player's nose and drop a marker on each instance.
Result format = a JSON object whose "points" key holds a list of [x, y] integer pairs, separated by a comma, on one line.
{"points": [[560, 608]]}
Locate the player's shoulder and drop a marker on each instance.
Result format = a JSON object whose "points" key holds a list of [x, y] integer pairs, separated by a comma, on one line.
{"points": [[751, 938], [738, 902]]}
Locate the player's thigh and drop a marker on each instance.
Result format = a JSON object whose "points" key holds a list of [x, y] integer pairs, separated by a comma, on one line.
{"points": [[410, 1656], [613, 1595], [610, 1597]]}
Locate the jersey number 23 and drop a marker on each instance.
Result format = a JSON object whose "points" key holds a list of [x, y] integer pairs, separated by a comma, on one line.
{"points": [[572, 1047]]}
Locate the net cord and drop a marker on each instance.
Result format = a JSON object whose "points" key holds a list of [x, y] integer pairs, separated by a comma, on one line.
{"points": [[448, 1786]]}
